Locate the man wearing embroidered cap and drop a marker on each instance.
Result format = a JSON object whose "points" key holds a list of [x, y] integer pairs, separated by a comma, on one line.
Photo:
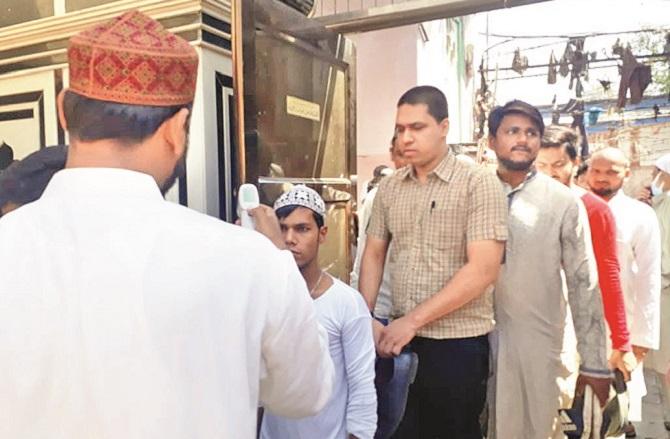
{"points": [[127, 316], [351, 412]]}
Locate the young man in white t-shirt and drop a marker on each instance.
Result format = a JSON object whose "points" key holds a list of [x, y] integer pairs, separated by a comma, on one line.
{"points": [[352, 409]]}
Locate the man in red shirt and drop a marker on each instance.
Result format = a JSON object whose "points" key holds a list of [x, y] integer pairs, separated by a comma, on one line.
{"points": [[558, 159]]}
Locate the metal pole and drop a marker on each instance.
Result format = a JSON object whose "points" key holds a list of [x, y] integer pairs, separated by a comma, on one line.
{"points": [[238, 86], [412, 12]]}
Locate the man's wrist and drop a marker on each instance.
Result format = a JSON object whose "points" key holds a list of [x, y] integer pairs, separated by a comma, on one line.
{"points": [[414, 318], [640, 352]]}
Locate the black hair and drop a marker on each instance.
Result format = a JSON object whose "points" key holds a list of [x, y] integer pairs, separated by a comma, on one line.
{"points": [[558, 136], [377, 176], [581, 169], [24, 181], [514, 107], [90, 119], [6, 156], [431, 96], [285, 211]]}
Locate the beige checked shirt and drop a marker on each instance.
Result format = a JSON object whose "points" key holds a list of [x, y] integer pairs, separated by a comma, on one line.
{"points": [[430, 226]]}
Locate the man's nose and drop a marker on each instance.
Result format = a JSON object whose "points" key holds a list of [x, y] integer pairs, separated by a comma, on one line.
{"points": [[406, 137], [289, 237]]}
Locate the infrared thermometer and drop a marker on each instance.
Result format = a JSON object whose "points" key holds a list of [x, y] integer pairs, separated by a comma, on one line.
{"points": [[247, 199]]}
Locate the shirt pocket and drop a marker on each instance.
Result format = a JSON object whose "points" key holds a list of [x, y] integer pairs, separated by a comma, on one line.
{"points": [[444, 228]]}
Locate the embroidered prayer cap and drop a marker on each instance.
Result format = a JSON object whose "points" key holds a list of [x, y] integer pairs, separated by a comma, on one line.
{"points": [[303, 196], [663, 163], [132, 59]]}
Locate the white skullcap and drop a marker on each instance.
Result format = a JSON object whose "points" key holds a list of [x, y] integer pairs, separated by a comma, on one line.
{"points": [[303, 196], [663, 163]]}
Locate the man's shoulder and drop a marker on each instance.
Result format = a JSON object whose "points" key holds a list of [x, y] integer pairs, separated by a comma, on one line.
{"points": [[596, 206], [477, 174], [392, 183], [636, 207], [186, 221], [553, 191], [22, 218], [349, 298]]}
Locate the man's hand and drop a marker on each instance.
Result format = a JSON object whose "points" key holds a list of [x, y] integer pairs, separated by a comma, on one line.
{"points": [[377, 329], [600, 387], [644, 195], [624, 361], [267, 223], [640, 352], [396, 336]]}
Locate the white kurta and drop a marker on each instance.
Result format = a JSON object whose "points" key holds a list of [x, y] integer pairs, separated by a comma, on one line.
{"points": [[548, 231], [352, 408], [660, 360], [126, 316], [639, 252]]}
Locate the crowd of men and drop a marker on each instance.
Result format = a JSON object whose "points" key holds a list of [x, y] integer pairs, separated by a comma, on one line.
{"points": [[482, 301]]}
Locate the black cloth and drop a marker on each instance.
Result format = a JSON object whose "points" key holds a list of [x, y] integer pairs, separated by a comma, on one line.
{"points": [[634, 76], [578, 123], [553, 69], [24, 181], [520, 62], [448, 396], [566, 60]]}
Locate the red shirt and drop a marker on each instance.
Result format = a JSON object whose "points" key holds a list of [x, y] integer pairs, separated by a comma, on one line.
{"points": [[603, 236]]}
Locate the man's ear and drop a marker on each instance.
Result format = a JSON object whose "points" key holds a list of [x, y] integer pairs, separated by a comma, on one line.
{"points": [[174, 132], [444, 127], [61, 113], [323, 232], [492, 143]]}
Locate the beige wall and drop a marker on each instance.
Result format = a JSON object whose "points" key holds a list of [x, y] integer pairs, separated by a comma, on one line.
{"points": [[385, 68]]}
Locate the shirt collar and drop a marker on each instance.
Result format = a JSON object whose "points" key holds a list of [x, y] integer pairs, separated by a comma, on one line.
{"points": [[444, 170], [102, 182], [509, 190], [617, 197]]}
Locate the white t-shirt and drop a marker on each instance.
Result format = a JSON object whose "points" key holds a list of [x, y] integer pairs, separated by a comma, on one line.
{"points": [[352, 408]]}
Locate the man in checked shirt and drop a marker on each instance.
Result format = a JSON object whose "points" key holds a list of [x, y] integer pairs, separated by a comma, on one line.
{"points": [[448, 224]]}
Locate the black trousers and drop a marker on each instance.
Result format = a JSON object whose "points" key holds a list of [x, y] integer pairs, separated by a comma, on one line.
{"points": [[449, 392]]}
